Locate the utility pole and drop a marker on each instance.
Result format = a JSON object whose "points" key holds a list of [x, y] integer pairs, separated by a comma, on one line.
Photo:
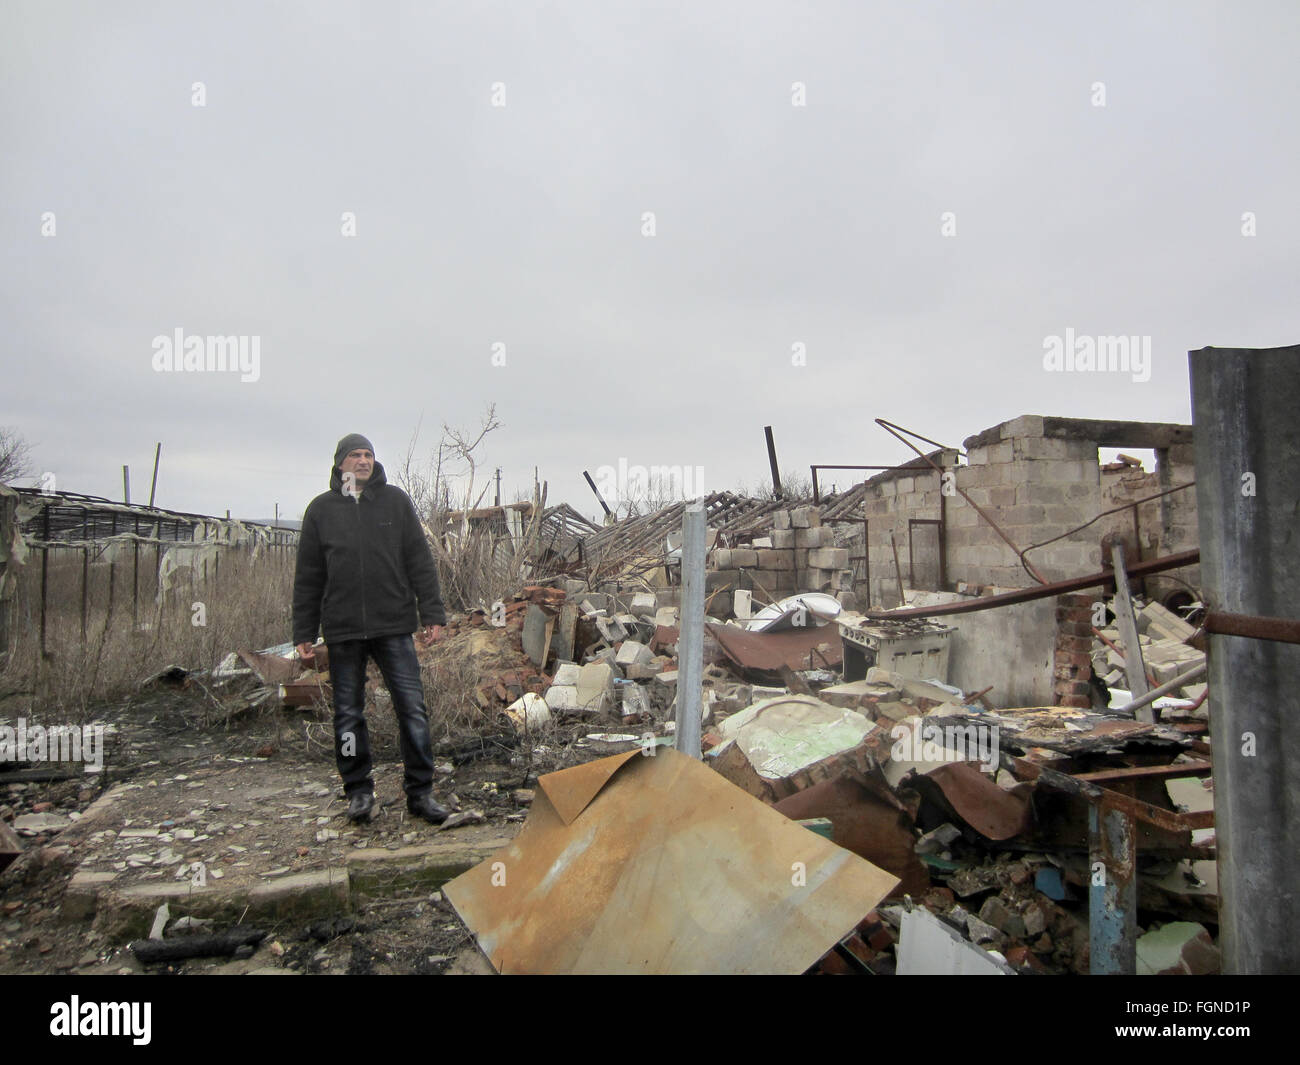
{"points": [[126, 485]]}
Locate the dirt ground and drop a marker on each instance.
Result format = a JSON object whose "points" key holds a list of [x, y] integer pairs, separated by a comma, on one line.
{"points": [[251, 797]]}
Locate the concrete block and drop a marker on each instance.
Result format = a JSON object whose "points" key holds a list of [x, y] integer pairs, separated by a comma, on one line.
{"points": [[744, 558], [784, 538], [666, 615], [566, 673], [775, 560], [644, 603], [781, 520], [595, 686], [818, 537], [644, 671], [631, 652], [800, 517], [611, 629], [760, 542], [720, 558], [829, 558], [1001, 452], [721, 578], [563, 697]]}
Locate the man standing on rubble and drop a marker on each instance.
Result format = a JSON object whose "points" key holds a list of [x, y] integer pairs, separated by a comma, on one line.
{"points": [[364, 574]]}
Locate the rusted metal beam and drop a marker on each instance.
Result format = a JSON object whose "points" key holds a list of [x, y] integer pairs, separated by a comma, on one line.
{"points": [[1148, 772], [1045, 591], [1283, 630]]}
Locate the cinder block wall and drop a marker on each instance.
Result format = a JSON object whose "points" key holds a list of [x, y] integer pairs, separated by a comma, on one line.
{"points": [[1036, 487]]}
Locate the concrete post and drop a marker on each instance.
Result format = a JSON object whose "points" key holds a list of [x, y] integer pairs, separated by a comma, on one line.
{"points": [[690, 638], [1247, 441]]}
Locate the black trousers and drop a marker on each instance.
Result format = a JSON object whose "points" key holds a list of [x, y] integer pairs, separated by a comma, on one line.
{"points": [[395, 657]]}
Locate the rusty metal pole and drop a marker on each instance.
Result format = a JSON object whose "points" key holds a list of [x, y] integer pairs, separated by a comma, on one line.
{"points": [[898, 570], [1112, 891], [595, 491], [45, 581], [1247, 441], [85, 583]]}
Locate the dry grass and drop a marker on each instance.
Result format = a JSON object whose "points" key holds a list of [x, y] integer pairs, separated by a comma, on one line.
{"points": [[244, 604]]}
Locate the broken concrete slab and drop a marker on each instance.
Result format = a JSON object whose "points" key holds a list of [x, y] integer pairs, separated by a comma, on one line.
{"points": [[1180, 948], [929, 947], [563, 698], [786, 738], [128, 912], [566, 673]]}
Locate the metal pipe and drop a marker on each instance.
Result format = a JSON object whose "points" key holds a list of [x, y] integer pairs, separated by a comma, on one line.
{"points": [[1112, 892], [690, 638], [608, 513], [1284, 630], [1046, 591], [776, 473], [1164, 689]]}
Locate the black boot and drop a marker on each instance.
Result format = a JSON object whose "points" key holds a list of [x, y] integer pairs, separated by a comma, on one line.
{"points": [[426, 806], [360, 806]]}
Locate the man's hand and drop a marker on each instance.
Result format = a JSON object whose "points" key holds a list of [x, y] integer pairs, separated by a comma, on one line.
{"points": [[430, 635], [306, 651]]}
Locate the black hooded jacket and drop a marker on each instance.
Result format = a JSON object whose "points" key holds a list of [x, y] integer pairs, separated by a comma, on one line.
{"points": [[364, 567]]}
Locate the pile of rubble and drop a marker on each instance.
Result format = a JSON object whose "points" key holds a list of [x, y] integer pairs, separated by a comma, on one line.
{"points": [[981, 812], [847, 725]]}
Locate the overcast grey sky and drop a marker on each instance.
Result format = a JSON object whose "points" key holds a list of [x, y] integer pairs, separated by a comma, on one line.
{"points": [[1096, 161]]}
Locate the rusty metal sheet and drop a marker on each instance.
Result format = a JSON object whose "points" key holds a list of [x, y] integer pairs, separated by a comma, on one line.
{"points": [[989, 809], [769, 651], [868, 825], [570, 790], [668, 869], [271, 669]]}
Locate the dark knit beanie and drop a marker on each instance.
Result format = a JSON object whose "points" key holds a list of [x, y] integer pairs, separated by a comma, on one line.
{"points": [[350, 443]]}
